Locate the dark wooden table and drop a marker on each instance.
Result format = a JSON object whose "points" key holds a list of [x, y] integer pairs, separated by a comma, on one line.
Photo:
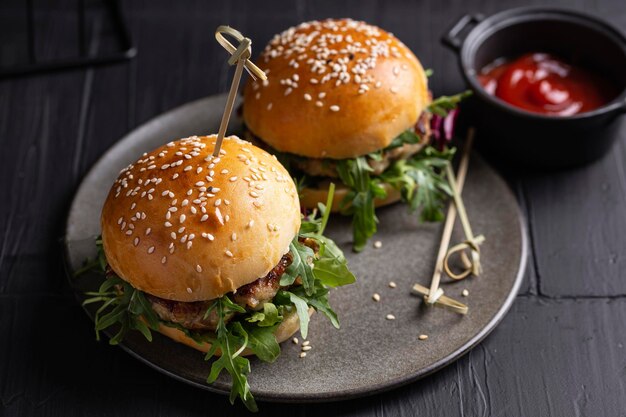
{"points": [[559, 352]]}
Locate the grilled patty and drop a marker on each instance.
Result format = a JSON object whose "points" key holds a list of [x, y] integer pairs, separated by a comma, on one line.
{"points": [[251, 296]]}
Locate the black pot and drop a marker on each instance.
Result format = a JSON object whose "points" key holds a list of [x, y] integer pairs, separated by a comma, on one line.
{"points": [[515, 136]]}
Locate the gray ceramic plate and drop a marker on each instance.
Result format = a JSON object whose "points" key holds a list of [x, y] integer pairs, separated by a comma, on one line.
{"points": [[369, 353]]}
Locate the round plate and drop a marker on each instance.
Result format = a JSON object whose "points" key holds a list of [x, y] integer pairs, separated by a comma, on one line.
{"points": [[369, 354]]}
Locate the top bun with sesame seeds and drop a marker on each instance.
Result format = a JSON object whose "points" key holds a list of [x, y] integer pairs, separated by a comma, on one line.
{"points": [[182, 225], [336, 89]]}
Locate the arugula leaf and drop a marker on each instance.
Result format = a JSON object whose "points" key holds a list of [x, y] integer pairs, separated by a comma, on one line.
{"points": [[122, 305], [269, 317], [302, 308], [231, 342], [262, 342], [359, 201], [99, 263], [442, 105], [422, 182], [319, 301], [302, 257], [408, 137], [331, 268]]}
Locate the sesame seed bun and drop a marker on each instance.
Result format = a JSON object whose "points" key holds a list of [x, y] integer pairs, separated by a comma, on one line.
{"points": [[310, 197], [336, 89], [286, 329], [184, 226]]}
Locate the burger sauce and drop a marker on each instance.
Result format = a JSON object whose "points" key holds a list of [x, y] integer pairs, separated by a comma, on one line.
{"points": [[543, 83]]}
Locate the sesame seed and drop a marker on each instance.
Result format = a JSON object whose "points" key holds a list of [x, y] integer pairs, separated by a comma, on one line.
{"points": [[218, 202], [164, 193], [394, 89], [182, 218], [465, 293], [136, 241], [306, 343], [173, 235], [164, 259], [392, 284], [184, 203], [189, 243], [269, 106], [233, 236], [294, 341], [224, 171], [199, 269], [334, 108], [204, 218], [129, 232], [173, 209], [250, 224], [321, 95], [151, 249], [228, 253], [306, 348], [198, 170], [232, 179], [148, 230], [168, 215], [308, 97], [390, 317], [199, 183], [396, 70], [376, 297], [319, 103], [168, 224], [422, 337], [378, 244], [302, 354]]}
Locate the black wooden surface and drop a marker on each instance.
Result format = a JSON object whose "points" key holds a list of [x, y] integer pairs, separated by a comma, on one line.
{"points": [[559, 352]]}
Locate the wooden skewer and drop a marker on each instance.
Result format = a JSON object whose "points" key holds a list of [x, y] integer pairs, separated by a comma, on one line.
{"points": [[240, 56]]}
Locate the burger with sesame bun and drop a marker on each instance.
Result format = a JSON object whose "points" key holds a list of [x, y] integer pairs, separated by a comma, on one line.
{"points": [[347, 101], [213, 252]]}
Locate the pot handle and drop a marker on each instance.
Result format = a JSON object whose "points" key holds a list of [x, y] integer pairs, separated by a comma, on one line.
{"points": [[451, 39]]}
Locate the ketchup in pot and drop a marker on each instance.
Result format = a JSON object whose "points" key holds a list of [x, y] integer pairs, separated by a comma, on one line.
{"points": [[543, 83]]}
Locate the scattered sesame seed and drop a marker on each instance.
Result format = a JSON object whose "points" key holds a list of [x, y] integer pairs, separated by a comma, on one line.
{"points": [[204, 218], [168, 224], [306, 343], [394, 89], [319, 103], [321, 95], [151, 249], [334, 108], [250, 223], [199, 269], [294, 341], [269, 106], [164, 259], [422, 337], [390, 317], [189, 243], [392, 284], [182, 218], [233, 236], [228, 253], [308, 97], [189, 289], [232, 179], [136, 241], [302, 354], [378, 244], [148, 230], [306, 348], [465, 293], [376, 297]]}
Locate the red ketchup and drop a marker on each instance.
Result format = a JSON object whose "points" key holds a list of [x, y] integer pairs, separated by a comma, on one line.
{"points": [[542, 83]]}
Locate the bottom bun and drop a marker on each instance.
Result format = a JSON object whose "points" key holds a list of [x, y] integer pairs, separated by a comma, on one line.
{"points": [[309, 197], [284, 331]]}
